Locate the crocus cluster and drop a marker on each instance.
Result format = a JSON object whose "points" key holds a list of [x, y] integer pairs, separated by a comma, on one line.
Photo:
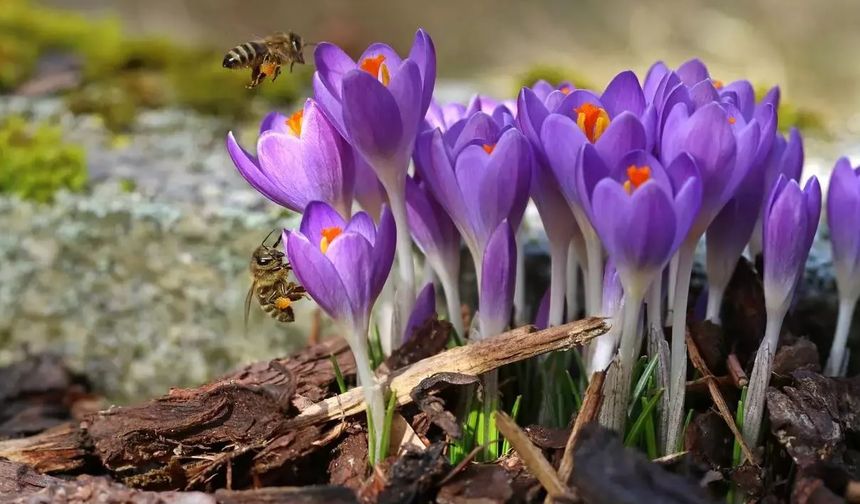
{"points": [[633, 175]]}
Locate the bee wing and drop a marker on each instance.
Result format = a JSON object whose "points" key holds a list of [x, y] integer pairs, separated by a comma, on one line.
{"points": [[248, 299]]}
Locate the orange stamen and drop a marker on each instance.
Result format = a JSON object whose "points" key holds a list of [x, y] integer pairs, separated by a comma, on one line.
{"points": [[282, 303], [636, 176], [376, 67], [718, 84], [732, 120], [295, 122], [328, 236], [592, 120], [565, 90], [488, 148]]}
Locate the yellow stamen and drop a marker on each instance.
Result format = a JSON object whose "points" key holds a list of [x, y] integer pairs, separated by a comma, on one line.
{"points": [[282, 303], [732, 120], [488, 148], [328, 236], [592, 120], [376, 67], [636, 176], [295, 122]]}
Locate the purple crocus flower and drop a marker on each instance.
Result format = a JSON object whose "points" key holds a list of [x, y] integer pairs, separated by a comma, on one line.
{"points": [[843, 218], [496, 299], [379, 104], [437, 237], [723, 156], [301, 158], [424, 309], [790, 221], [480, 176], [609, 124], [444, 116], [731, 229], [786, 158]]}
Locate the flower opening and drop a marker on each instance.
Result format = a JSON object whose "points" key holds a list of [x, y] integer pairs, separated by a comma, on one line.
{"points": [[718, 84], [328, 236], [636, 176], [592, 120], [488, 148], [376, 67], [295, 122]]}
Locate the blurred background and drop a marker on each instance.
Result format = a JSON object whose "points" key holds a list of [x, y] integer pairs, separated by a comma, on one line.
{"points": [[125, 231]]}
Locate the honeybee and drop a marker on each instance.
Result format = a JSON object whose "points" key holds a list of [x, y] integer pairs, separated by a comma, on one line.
{"points": [[265, 57], [270, 283]]}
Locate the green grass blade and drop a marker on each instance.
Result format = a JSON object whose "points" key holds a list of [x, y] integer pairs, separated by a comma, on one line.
{"points": [[642, 384], [386, 427], [574, 391], [687, 421], [650, 433], [634, 432], [739, 421], [371, 439], [341, 383]]}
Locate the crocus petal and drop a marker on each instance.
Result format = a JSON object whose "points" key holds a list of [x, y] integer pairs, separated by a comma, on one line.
{"points": [[362, 224], [812, 195], [843, 214], [745, 97], [623, 94], [383, 251], [424, 309], [652, 80], [405, 87], [352, 257], [703, 93], [318, 216], [784, 229], [692, 72], [438, 172], [330, 104], [625, 133], [372, 117], [280, 158], [562, 139], [250, 169], [590, 169], [392, 59], [274, 121], [423, 53], [318, 276], [497, 282], [532, 114], [480, 128], [332, 64]]}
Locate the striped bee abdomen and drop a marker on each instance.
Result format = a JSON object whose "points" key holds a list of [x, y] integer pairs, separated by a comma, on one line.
{"points": [[245, 55]]}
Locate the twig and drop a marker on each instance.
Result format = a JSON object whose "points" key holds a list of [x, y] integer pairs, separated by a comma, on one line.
{"points": [[670, 458], [587, 414], [532, 457], [716, 395], [736, 371], [474, 359], [700, 385]]}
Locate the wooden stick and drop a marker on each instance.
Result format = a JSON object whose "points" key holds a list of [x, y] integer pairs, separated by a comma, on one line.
{"points": [[474, 359], [717, 396], [736, 371], [587, 414], [532, 457]]}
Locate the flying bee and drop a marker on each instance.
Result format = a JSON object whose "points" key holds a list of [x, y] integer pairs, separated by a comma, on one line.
{"points": [[265, 57], [270, 283]]}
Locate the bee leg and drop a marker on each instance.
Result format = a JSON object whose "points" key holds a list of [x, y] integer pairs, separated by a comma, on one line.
{"points": [[276, 73], [256, 77], [292, 64]]}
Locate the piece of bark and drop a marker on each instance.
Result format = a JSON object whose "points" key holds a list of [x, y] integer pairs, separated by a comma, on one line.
{"points": [[547, 438], [532, 457], [588, 414], [292, 495], [59, 450], [709, 440], [348, 467], [434, 407], [19, 479], [478, 484], [413, 478], [474, 359], [429, 339], [717, 396], [607, 472], [802, 354], [39, 393]]}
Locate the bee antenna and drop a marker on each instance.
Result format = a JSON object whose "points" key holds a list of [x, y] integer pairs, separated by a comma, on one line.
{"points": [[269, 236]]}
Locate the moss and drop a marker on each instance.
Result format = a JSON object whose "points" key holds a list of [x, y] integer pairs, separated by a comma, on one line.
{"points": [[553, 74], [108, 100], [35, 163], [17, 60], [127, 185]]}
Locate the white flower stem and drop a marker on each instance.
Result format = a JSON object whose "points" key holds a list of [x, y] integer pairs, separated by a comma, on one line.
{"points": [[760, 377], [405, 289], [840, 338], [572, 291], [520, 281], [670, 294], [715, 302], [372, 390], [594, 278], [557, 282], [654, 304], [678, 369], [452, 299], [614, 414]]}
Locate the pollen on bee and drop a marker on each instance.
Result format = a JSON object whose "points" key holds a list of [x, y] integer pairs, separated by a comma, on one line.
{"points": [[282, 303], [268, 68]]}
